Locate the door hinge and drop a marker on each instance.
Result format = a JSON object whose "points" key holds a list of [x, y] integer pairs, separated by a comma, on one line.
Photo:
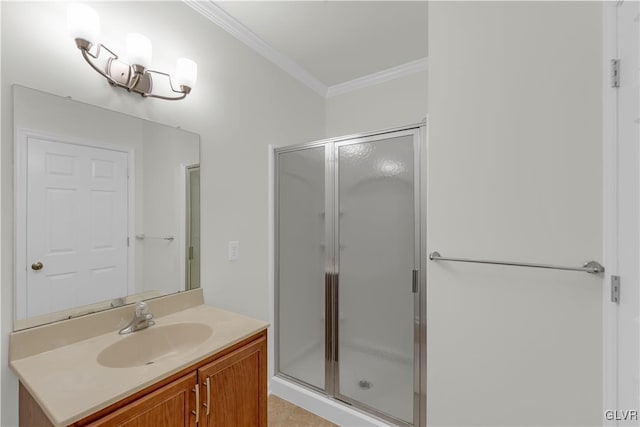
{"points": [[128, 242], [615, 73], [190, 252], [615, 289]]}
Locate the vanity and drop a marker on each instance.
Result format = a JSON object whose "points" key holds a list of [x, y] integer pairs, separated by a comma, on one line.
{"points": [[198, 365]]}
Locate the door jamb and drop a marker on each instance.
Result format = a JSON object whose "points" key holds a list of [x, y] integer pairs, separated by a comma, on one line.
{"points": [[609, 213]]}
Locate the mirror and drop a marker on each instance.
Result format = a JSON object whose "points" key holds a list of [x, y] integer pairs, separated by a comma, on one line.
{"points": [[107, 208]]}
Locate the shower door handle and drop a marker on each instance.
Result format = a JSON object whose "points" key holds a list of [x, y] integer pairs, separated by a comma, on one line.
{"points": [[328, 317], [336, 316], [331, 315]]}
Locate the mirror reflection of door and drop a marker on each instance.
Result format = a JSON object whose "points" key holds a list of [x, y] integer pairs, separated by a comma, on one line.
{"points": [[193, 227], [77, 219]]}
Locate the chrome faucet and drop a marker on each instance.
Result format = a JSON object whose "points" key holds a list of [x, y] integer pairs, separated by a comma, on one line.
{"points": [[142, 319]]}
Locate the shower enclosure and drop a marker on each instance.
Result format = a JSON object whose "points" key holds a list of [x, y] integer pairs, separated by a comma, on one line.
{"points": [[349, 271]]}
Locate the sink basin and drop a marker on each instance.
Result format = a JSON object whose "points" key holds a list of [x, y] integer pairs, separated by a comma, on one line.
{"points": [[154, 344]]}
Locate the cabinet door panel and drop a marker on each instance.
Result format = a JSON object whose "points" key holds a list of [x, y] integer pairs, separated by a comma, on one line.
{"points": [[169, 406], [238, 391]]}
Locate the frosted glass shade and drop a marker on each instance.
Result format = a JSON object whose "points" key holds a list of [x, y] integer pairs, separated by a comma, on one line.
{"points": [[138, 50], [83, 22], [186, 72]]}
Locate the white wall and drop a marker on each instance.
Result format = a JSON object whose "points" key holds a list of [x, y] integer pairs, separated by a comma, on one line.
{"points": [[394, 103], [2, 250], [514, 172], [240, 104]]}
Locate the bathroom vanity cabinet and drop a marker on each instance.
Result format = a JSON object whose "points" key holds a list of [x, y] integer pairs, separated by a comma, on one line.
{"points": [[235, 388], [170, 405], [228, 388]]}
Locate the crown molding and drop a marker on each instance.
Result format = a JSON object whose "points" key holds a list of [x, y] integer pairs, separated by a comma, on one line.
{"points": [[403, 70], [210, 10], [234, 27]]}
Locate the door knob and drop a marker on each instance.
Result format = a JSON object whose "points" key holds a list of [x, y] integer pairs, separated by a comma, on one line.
{"points": [[37, 266]]}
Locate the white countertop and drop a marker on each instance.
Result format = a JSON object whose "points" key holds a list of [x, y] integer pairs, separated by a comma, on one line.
{"points": [[69, 383]]}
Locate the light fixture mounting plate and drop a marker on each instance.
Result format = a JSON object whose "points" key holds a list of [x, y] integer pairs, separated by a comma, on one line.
{"points": [[119, 71], [122, 73]]}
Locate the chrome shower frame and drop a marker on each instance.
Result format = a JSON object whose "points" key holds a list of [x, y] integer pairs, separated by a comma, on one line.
{"points": [[331, 279]]}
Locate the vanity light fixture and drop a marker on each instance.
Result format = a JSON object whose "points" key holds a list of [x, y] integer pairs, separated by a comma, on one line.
{"points": [[133, 75]]}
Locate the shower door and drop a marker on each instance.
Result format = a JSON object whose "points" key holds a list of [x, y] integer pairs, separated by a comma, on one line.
{"points": [[347, 271]]}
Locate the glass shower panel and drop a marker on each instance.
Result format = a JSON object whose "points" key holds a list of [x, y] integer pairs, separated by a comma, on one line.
{"points": [[301, 264], [376, 229]]}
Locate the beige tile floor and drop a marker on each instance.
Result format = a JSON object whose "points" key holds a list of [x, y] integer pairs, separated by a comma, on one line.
{"points": [[285, 414]]}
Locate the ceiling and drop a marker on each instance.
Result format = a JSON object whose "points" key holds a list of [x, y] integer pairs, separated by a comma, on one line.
{"points": [[334, 46], [338, 41]]}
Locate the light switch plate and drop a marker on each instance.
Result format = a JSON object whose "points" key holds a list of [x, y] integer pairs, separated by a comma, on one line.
{"points": [[234, 250]]}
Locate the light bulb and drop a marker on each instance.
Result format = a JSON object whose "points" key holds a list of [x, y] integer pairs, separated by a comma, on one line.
{"points": [[186, 73], [83, 22], [138, 50]]}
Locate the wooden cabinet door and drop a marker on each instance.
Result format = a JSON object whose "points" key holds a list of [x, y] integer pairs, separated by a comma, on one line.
{"points": [[235, 388], [169, 406]]}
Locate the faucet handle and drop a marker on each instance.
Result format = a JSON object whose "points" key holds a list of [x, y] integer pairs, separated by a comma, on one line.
{"points": [[141, 308]]}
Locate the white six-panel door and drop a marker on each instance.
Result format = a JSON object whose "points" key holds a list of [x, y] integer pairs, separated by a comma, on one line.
{"points": [[76, 230]]}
